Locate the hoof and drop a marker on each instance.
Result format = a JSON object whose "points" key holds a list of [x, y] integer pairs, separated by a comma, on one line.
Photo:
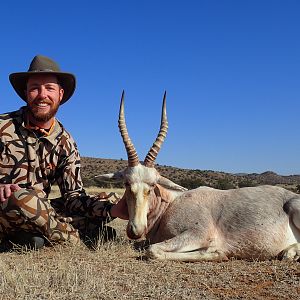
{"points": [[292, 252]]}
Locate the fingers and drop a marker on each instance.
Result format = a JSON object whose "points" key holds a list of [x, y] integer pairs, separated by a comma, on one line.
{"points": [[6, 191], [14, 187], [102, 195], [2, 198]]}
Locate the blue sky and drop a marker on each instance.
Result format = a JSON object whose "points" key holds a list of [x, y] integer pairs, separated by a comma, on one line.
{"points": [[231, 70]]}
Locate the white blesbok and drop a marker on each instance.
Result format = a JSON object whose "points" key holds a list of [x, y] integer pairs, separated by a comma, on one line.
{"points": [[205, 223]]}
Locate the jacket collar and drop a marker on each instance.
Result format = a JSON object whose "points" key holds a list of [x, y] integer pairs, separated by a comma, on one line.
{"points": [[51, 135]]}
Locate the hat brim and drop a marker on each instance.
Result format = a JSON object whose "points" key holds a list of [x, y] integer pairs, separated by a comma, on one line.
{"points": [[66, 80]]}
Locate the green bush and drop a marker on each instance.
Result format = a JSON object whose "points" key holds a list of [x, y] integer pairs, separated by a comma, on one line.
{"points": [[191, 183], [246, 183], [224, 184]]}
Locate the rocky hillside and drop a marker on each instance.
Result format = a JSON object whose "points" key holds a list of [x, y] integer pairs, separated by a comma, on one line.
{"points": [[187, 177]]}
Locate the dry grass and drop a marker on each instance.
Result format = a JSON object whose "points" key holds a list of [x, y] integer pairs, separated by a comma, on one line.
{"points": [[115, 270], [91, 190]]}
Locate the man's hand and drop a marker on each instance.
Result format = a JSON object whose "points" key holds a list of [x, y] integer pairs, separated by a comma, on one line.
{"points": [[120, 210], [6, 190], [112, 197]]}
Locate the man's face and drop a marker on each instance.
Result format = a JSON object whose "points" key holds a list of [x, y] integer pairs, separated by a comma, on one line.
{"points": [[43, 96]]}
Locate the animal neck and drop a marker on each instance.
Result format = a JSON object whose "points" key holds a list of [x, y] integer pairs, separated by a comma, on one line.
{"points": [[160, 200]]}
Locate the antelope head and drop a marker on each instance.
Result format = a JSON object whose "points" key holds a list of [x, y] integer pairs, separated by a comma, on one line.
{"points": [[141, 179]]}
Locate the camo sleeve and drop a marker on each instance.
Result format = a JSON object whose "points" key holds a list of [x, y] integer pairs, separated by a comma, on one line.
{"points": [[68, 176], [37, 161], [77, 202]]}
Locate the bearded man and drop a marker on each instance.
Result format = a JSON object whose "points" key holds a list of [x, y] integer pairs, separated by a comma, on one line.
{"points": [[36, 151]]}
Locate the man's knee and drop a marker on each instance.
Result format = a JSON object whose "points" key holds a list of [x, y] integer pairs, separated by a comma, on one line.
{"points": [[20, 199], [28, 204]]}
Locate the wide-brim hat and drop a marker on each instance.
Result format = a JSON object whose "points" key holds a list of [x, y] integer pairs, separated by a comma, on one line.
{"points": [[43, 65]]}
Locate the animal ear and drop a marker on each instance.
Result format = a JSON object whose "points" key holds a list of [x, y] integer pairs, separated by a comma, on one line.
{"points": [[111, 176], [169, 184]]}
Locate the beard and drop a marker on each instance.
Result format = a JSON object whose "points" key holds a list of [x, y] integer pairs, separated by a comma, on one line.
{"points": [[42, 116]]}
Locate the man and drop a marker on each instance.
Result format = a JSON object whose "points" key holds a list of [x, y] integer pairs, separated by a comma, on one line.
{"points": [[36, 151]]}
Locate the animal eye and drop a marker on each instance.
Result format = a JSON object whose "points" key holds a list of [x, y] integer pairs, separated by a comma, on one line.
{"points": [[147, 192]]}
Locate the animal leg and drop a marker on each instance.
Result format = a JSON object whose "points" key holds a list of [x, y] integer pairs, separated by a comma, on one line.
{"points": [[292, 207], [292, 252], [186, 247]]}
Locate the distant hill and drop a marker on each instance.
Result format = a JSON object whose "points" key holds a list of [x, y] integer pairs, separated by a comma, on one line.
{"points": [[186, 177]]}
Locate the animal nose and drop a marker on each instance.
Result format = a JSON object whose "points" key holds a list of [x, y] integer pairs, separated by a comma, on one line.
{"points": [[132, 232]]}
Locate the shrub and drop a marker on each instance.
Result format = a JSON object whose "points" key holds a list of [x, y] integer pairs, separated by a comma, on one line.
{"points": [[224, 184], [246, 183], [191, 183]]}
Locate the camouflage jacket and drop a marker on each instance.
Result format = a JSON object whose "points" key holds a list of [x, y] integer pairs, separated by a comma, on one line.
{"points": [[37, 160]]}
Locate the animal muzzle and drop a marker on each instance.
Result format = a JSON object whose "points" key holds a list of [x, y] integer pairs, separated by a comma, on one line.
{"points": [[135, 232]]}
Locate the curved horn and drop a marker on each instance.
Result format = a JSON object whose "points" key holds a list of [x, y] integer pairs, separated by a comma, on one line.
{"points": [[152, 154], [133, 159]]}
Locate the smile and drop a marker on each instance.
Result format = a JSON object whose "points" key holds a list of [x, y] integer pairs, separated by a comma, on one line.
{"points": [[42, 104]]}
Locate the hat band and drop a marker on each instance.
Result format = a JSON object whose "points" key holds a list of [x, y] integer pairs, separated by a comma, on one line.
{"points": [[44, 70]]}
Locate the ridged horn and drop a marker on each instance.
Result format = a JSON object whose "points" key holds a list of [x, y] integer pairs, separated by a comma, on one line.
{"points": [[152, 154], [133, 159]]}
